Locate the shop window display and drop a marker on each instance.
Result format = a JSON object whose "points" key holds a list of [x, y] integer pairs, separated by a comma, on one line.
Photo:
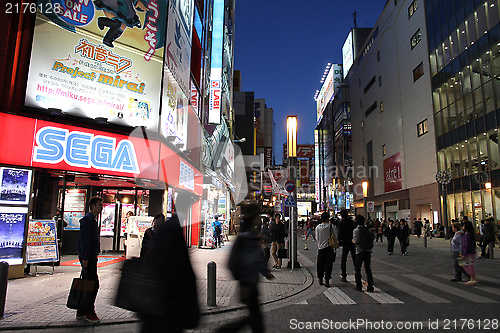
{"points": [[494, 150], [478, 206], [467, 205]]}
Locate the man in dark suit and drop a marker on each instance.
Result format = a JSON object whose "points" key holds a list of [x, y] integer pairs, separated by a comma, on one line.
{"points": [[346, 228]]}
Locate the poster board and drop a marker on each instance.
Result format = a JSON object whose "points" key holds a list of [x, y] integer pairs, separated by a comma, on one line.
{"points": [[41, 242], [108, 219], [15, 186], [12, 227], [74, 207], [136, 226]]}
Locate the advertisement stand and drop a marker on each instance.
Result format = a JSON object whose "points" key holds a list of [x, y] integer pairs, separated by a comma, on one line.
{"points": [[41, 244]]}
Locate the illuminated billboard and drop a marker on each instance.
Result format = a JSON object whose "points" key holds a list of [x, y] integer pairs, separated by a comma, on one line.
{"points": [[93, 60], [347, 54], [330, 86]]}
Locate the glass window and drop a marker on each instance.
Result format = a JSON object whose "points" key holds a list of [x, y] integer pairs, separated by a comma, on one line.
{"points": [[469, 108], [486, 66], [494, 150], [454, 44], [481, 21], [381, 106], [473, 156], [438, 120], [380, 80], [451, 206], [483, 152], [460, 112], [471, 29], [449, 159], [439, 58], [435, 100], [489, 97], [474, 74], [478, 206], [465, 81], [446, 127], [442, 97], [496, 86], [492, 15], [417, 72], [441, 161], [447, 51], [496, 198], [452, 117], [462, 38], [478, 102], [415, 39], [456, 162], [459, 205], [412, 8], [450, 88], [465, 159], [433, 63], [467, 205]]}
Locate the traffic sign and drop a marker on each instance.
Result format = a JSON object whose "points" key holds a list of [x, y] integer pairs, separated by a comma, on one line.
{"points": [[289, 202], [370, 205], [290, 186]]}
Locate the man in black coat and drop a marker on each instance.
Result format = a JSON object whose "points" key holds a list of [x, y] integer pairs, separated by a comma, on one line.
{"points": [[346, 228], [403, 236], [391, 232]]}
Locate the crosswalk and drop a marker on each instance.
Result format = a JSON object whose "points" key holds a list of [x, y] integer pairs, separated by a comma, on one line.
{"points": [[405, 288]]}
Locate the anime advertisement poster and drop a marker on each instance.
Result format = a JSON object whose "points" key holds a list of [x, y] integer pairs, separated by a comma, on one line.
{"points": [[41, 242], [99, 58], [178, 44], [74, 207], [15, 186], [12, 222], [108, 220], [174, 111]]}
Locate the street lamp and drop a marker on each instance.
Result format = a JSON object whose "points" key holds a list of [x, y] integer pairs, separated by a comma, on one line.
{"points": [[487, 185], [365, 194], [291, 145]]}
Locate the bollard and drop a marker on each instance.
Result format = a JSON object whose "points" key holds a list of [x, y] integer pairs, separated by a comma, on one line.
{"points": [[211, 283], [425, 240], [4, 276]]}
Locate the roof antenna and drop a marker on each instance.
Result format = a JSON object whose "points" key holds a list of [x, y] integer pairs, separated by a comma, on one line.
{"points": [[354, 18]]}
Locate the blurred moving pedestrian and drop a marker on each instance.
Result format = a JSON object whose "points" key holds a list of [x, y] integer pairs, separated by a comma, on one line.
{"points": [[179, 282], [403, 236], [469, 252], [278, 235], [89, 246], [391, 231], [266, 237], [456, 250], [246, 262], [310, 228], [149, 237], [363, 239], [346, 228], [326, 253]]}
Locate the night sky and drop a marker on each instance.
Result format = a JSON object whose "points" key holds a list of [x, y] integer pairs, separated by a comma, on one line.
{"points": [[282, 48]]}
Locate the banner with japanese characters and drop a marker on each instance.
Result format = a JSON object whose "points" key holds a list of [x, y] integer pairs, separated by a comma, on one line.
{"points": [[99, 59], [41, 242]]}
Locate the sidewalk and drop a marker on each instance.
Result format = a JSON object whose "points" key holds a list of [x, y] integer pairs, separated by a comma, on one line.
{"points": [[40, 302]]}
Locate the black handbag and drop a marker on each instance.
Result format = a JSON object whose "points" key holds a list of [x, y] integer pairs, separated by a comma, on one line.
{"points": [[282, 253], [141, 289], [80, 294]]}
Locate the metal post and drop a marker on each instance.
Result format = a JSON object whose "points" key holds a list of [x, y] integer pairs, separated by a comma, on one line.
{"points": [[445, 211], [211, 283], [293, 216], [425, 239], [4, 276]]}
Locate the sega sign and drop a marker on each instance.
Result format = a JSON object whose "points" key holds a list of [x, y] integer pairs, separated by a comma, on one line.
{"points": [[79, 149]]}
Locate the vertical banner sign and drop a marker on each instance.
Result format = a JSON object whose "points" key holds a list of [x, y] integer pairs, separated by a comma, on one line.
{"points": [[214, 108], [316, 166], [15, 186], [41, 242], [99, 59], [392, 173], [268, 157]]}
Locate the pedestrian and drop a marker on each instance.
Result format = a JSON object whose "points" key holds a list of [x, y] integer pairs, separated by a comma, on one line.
{"points": [[278, 236], [488, 239], [380, 233], [266, 237], [363, 239], [170, 254], [217, 229], [246, 262], [456, 250], [326, 253], [88, 248], [403, 236], [346, 227], [310, 228], [391, 232], [149, 236], [469, 252], [61, 223]]}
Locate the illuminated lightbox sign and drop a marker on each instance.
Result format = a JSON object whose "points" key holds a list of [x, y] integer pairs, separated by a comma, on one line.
{"points": [[332, 83], [85, 150], [347, 54], [215, 103]]}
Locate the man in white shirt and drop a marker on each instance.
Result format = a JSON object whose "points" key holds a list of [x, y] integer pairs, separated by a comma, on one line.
{"points": [[326, 254]]}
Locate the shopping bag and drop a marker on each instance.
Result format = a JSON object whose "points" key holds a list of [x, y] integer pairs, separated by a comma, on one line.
{"points": [[140, 288], [282, 253], [80, 294], [332, 239]]}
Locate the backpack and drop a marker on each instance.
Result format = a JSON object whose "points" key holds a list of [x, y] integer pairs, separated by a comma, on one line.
{"points": [[365, 238], [218, 229]]}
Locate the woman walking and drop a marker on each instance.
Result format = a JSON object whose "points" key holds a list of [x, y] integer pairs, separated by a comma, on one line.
{"points": [[469, 252]]}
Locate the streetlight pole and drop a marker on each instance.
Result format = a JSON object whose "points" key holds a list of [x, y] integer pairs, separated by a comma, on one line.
{"points": [[291, 130], [365, 194]]}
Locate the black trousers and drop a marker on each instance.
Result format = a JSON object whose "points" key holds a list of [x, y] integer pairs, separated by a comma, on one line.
{"points": [[404, 245], [324, 263], [364, 257], [249, 297], [90, 273], [345, 252], [390, 244]]}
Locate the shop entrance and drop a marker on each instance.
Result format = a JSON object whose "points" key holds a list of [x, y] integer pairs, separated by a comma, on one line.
{"points": [[118, 206]]}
